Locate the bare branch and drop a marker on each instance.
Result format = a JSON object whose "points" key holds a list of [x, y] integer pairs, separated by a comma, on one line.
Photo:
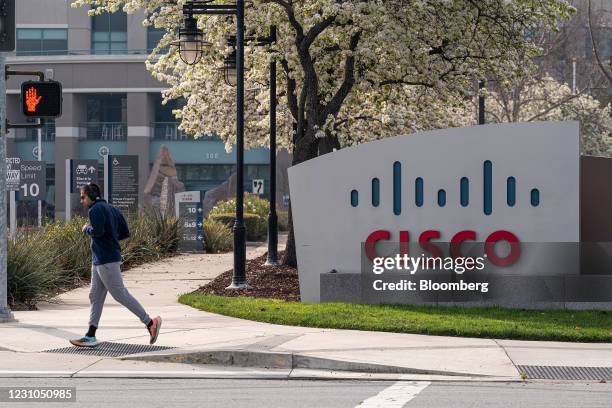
{"points": [[335, 103], [596, 52]]}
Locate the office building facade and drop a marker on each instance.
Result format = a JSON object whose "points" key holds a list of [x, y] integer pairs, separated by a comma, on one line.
{"points": [[112, 104]]}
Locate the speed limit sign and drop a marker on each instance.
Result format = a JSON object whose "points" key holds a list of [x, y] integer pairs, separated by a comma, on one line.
{"points": [[258, 186], [33, 181]]}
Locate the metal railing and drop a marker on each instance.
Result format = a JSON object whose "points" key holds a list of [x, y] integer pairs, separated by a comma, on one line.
{"points": [[86, 52], [170, 131], [110, 131], [47, 133]]}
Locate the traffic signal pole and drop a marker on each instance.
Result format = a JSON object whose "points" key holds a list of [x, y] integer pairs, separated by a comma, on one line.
{"points": [[40, 159], [5, 312], [7, 44]]}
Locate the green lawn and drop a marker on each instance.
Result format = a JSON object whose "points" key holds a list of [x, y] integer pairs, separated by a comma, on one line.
{"points": [[490, 322]]}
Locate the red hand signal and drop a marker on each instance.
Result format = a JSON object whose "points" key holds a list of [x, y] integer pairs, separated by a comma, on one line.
{"points": [[32, 99]]}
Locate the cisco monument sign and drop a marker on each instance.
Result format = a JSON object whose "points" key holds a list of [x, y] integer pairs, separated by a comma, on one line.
{"points": [[480, 215]]}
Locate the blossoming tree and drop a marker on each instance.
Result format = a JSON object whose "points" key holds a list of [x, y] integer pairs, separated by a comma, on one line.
{"points": [[547, 99], [351, 70]]}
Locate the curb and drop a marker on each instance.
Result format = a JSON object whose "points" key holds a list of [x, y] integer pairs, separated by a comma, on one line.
{"points": [[263, 359]]}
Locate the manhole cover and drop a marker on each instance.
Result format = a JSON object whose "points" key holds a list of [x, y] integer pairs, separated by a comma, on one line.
{"points": [[107, 349], [566, 373]]}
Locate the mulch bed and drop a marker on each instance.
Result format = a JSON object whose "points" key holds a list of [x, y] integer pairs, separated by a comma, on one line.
{"points": [[266, 281]]}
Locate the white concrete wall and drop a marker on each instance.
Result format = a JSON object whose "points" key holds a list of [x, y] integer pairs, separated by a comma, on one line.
{"points": [[329, 231]]}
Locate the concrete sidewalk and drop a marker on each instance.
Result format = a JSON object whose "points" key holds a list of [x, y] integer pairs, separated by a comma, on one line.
{"points": [[287, 352]]}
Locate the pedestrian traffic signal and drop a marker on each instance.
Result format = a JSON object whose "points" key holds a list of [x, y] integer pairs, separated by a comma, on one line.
{"points": [[41, 99], [7, 25]]}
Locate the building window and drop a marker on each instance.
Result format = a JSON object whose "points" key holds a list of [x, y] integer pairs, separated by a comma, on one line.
{"points": [[154, 36], [107, 108], [163, 113], [203, 177], [42, 41], [109, 33], [106, 117], [165, 126]]}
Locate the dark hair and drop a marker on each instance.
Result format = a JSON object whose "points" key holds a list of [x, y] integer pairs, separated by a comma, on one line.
{"points": [[92, 190]]}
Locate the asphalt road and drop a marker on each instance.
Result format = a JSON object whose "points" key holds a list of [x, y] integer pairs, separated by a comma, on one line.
{"points": [[132, 393]]}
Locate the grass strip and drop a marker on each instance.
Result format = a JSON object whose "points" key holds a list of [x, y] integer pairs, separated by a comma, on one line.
{"points": [[485, 322]]}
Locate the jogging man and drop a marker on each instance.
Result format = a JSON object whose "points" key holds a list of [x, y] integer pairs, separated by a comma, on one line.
{"points": [[106, 227]]}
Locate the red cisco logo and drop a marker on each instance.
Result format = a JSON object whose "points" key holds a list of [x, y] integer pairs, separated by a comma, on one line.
{"points": [[455, 244]]}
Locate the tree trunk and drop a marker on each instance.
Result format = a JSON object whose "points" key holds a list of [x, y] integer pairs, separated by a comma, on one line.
{"points": [[328, 144], [303, 150], [290, 257]]}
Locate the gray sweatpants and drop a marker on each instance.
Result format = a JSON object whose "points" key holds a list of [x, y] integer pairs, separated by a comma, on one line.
{"points": [[107, 278]]}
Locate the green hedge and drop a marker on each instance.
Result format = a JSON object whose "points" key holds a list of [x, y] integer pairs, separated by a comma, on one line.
{"points": [[253, 204], [255, 209], [256, 227]]}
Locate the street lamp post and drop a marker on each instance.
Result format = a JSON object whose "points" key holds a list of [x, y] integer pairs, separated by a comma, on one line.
{"points": [[190, 49], [272, 217], [481, 104], [229, 70]]}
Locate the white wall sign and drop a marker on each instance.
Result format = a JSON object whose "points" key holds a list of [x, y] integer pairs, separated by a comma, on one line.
{"points": [[258, 186], [33, 180], [520, 178], [13, 173]]}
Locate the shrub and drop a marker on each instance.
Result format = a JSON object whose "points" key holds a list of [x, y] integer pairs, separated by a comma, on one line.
{"points": [[152, 235], [256, 227], [72, 248], [33, 269], [218, 237], [166, 231], [253, 204], [255, 215], [42, 264]]}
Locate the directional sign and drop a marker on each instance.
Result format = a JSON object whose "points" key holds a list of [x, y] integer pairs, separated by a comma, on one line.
{"points": [[33, 180], [258, 186], [13, 173], [193, 226], [186, 197], [82, 172]]}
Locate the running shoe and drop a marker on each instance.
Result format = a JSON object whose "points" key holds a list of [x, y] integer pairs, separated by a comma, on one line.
{"points": [[154, 329], [85, 341]]}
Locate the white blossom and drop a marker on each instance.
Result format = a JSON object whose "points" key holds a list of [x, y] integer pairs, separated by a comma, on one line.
{"points": [[350, 71]]}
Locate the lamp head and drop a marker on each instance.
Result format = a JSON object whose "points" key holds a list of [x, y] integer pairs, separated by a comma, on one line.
{"points": [[190, 41]]}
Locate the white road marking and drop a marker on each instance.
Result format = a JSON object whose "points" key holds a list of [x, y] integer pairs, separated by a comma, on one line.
{"points": [[396, 395]]}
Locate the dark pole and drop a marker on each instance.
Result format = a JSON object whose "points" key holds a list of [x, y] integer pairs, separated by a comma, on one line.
{"points": [[272, 218], [481, 104], [239, 276]]}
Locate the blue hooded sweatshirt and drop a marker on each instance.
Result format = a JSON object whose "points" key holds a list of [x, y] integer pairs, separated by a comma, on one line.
{"points": [[105, 224]]}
